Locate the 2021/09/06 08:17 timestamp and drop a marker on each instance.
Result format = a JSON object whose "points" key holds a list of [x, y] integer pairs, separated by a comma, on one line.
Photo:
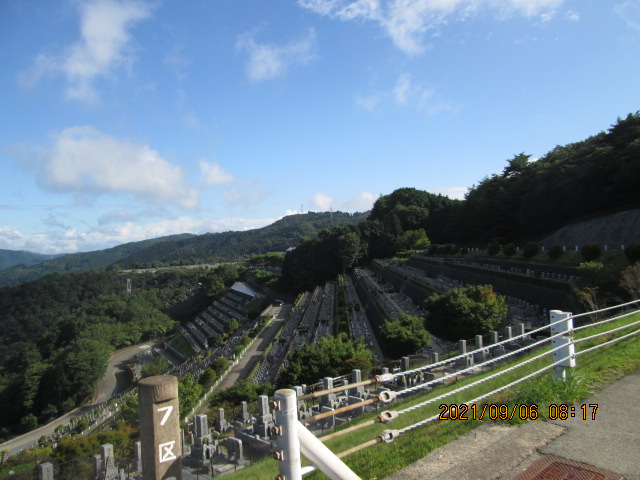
{"points": [[493, 411]]}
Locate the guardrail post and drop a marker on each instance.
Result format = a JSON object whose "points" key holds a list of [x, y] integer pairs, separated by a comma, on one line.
{"points": [[318, 453], [286, 429], [562, 322]]}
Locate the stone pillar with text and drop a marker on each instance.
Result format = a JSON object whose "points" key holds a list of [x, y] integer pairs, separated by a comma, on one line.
{"points": [[160, 428]]}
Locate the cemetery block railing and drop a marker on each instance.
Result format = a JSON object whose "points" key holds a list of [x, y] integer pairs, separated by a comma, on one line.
{"points": [[293, 438]]}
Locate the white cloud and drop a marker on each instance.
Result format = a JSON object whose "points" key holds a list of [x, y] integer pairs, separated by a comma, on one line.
{"points": [[406, 22], [369, 102], [116, 217], [106, 236], [9, 237], [405, 93], [213, 174], [457, 193], [573, 16], [104, 47], [267, 61], [322, 202], [361, 203], [245, 192], [85, 160], [629, 11]]}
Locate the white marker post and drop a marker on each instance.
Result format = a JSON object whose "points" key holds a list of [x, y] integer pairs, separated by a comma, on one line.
{"points": [[160, 428]]}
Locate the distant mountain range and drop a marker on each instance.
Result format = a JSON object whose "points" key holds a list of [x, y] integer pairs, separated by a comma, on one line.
{"points": [[18, 267], [9, 258]]}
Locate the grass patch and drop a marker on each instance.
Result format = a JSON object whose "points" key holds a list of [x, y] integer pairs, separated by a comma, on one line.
{"points": [[181, 344]]}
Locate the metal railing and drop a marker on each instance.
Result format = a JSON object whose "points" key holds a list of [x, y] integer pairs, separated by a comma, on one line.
{"points": [[293, 438]]}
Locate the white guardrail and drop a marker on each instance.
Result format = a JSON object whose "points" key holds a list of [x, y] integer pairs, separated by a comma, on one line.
{"points": [[293, 438]]}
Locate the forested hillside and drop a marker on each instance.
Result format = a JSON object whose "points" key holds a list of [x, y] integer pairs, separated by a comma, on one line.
{"points": [[56, 333], [577, 181], [9, 258], [525, 202], [191, 249], [78, 262], [210, 247]]}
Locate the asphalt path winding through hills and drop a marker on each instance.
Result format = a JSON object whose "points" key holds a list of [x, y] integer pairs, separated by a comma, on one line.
{"points": [[254, 354], [115, 381]]}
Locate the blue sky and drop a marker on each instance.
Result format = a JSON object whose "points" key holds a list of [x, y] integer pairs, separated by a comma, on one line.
{"points": [[124, 120]]}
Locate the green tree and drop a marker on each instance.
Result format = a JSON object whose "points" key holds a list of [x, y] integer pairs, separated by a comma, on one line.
{"points": [[555, 252], [530, 249], [591, 252], [28, 422], [463, 313], [207, 378], [189, 393], [493, 248], [157, 366], [232, 326], [516, 166], [403, 336], [219, 365], [78, 369], [331, 356], [630, 280], [598, 274], [414, 239], [130, 411], [633, 253]]}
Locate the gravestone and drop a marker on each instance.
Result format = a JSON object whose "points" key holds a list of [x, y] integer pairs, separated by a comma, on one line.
{"points": [[45, 471], [234, 449], [221, 423], [356, 376], [264, 419], [244, 413]]}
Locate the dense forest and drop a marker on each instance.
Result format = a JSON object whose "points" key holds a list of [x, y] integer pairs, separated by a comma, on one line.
{"points": [[531, 199], [526, 201], [57, 332], [189, 249]]}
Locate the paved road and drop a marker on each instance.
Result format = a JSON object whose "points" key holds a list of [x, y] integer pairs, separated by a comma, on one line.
{"points": [[255, 353], [115, 381], [493, 452]]}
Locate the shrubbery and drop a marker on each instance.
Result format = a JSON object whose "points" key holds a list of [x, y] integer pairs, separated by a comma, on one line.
{"points": [[633, 253], [509, 250], [590, 252], [403, 336], [555, 252], [465, 312], [493, 248], [331, 356], [530, 250]]}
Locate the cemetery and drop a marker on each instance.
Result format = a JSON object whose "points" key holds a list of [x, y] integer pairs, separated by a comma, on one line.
{"points": [[384, 290]]}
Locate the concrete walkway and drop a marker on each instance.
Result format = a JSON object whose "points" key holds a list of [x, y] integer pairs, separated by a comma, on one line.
{"points": [[255, 353], [610, 443]]}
